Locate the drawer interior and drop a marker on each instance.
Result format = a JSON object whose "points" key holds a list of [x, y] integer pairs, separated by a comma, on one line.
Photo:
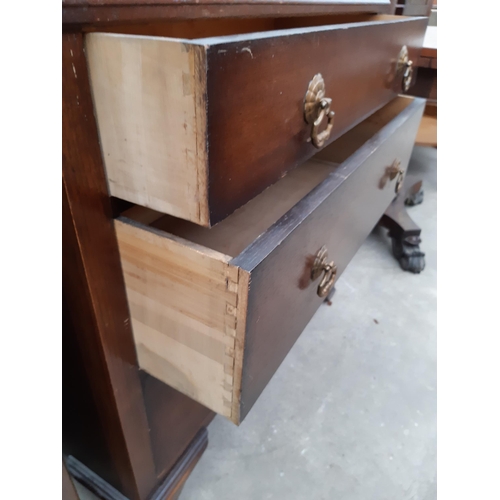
{"points": [[236, 232], [211, 28], [231, 236]]}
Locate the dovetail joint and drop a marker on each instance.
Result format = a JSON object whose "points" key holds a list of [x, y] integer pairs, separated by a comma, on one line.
{"points": [[230, 331]]}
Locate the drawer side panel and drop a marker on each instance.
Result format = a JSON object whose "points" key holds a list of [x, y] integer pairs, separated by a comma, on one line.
{"points": [[150, 101], [185, 308]]}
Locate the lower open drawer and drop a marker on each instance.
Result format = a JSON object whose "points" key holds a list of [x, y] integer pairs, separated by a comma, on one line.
{"points": [[215, 311]]}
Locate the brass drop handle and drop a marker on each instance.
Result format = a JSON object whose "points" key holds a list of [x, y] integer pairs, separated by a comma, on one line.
{"points": [[396, 172], [405, 68], [329, 269], [316, 108]]}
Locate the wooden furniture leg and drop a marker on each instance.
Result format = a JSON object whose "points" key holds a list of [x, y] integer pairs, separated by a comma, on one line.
{"points": [[169, 489], [405, 234], [132, 433]]}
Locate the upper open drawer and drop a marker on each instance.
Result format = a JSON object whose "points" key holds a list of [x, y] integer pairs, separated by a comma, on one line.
{"points": [[197, 127]]}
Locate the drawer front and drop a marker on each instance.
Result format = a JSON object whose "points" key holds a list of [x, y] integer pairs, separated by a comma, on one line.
{"points": [[338, 214], [198, 128], [256, 92]]}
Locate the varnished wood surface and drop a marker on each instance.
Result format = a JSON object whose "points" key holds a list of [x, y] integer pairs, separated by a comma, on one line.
{"points": [[184, 301], [413, 7], [243, 227], [158, 86], [429, 47], [427, 132], [169, 488], [343, 3], [102, 12], [425, 85], [83, 428], [87, 196], [94, 483], [94, 286], [253, 133], [359, 78], [174, 421], [339, 213], [192, 29]]}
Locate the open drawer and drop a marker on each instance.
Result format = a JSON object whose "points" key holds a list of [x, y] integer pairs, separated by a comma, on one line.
{"points": [[215, 311], [196, 122]]}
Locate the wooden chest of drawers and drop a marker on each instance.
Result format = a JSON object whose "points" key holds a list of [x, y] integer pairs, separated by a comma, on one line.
{"points": [[203, 110]]}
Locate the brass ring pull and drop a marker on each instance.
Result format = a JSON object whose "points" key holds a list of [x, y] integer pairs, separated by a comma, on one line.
{"points": [[316, 108], [407, 75], [399, 182], [405, 68], [326, 284], [396, 172], [330, 272]]}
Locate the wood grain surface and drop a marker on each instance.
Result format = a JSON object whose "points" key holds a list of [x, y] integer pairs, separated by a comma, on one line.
{"points": [[429, 47], [104, 12], [357, 63], [94, 290], [171, 487], [150, 106], [245, 225], [413, 7], [159, 149], [185, 303], [112, 436], [174, 421], [339, 213], [128, 429], [427, 132], [168, 489]]}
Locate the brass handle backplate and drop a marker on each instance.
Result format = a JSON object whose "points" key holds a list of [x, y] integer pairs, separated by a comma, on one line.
{"points": [[405, 68], [396, 172], [329, 269], [316, 108]]}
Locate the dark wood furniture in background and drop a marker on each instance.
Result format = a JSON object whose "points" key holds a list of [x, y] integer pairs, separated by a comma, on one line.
{"points": [[404, 232], [125, 433], [426, 87], [425, 84], [413, 7]]}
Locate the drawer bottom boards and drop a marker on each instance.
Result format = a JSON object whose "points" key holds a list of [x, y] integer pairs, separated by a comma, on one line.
{"points": [[215, 311]]}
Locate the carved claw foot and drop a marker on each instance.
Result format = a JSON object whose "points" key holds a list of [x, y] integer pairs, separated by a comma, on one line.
{"points": [[414, 198], [407, 252]]}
